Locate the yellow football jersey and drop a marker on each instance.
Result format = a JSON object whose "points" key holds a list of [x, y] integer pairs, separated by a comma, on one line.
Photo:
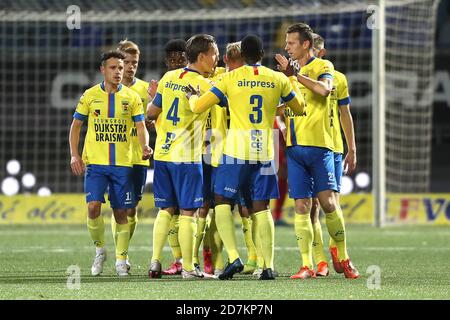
{"points": [[315, 126], [111, 119], [253, 93], [340, 97], [180, 132], [140, 87], [216, 126]]}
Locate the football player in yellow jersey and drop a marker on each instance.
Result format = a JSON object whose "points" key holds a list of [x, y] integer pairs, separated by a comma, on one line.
{"points": [[178, 152], [175, 58], [341, 117], [202, 232], [140, 167], [216, 133], [233, 60], [253, 92], [110, 109], [310, 148]]}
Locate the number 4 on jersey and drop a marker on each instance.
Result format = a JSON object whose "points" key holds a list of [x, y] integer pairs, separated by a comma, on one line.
{"points": [[173, 112]]}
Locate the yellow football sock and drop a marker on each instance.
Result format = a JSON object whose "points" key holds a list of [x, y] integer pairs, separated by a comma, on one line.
{"points": [[96, 229], [225, 225], [247, 231], [304, 233], [132, 221], [266, 231], [160, 231], [257, 242], [123, 241], [216, 244], [207, 238], [317, 245], [173, 236], [331, 243], [113, 229], [336, 229], [199, 235], [186, 235]]}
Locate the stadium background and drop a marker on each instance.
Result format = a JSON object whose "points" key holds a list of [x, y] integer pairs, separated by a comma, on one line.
{"points": [[45, 67]]}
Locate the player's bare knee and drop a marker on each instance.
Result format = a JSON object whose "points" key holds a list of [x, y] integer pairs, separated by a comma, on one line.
{"points": [[203, 211], [329, 206], [303, 206], [315, 209], [327, 201], [131, 212], [219, 199], [314, 214], [171, 210], [121, 216], [189, 212], [243, 211], [94, 209], [260, 205]]}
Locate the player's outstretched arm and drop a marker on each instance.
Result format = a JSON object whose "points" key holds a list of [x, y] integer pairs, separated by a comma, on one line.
{"points": [[200, 104], [346, 120], [76, 163], [143, 140]]}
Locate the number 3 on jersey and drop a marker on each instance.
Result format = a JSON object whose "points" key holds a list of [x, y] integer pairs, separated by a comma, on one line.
{"points": [[173, 112], [257, 102]]}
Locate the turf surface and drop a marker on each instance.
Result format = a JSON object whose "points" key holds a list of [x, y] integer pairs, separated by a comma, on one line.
{"points": [[413, 263]]}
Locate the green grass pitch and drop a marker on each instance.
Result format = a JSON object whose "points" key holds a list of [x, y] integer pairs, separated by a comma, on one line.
{"points": [[413, 262]]}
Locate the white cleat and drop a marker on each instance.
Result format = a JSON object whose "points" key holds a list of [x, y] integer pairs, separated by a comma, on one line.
{"points": [[122, 269], [207, 276], [194, 274], [127, 262], [97, 265]]}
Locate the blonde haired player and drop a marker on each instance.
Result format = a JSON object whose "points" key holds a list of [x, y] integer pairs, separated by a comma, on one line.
{"points": [[247, 163], [218, 125], [131, 54]]}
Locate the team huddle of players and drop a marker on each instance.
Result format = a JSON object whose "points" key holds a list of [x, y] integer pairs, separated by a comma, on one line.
{"points": [[215, 150]]}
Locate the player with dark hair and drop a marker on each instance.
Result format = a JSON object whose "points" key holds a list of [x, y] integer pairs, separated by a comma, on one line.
{"points": [[247, 163], [178, 178], [310, 148], [111, 109]]}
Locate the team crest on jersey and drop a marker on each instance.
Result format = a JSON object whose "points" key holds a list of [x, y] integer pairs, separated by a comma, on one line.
{"points": [[124, 105], [96, 112]]}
